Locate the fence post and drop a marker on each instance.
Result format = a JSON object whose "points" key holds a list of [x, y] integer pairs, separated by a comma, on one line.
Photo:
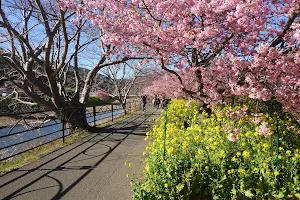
{"points": [[165, 136], [63, 126], [125, 109], [277, 143], [94, 115], [112, 112]]}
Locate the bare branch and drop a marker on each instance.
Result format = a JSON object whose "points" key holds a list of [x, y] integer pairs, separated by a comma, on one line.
{"points": [[287, 26], [21, 101], [45, 19]]}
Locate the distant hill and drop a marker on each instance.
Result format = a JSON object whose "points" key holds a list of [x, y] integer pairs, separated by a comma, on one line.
{"points": [[100, 81]]}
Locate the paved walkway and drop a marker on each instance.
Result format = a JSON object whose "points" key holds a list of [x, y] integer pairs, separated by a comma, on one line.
{"points": [[89, 169]]}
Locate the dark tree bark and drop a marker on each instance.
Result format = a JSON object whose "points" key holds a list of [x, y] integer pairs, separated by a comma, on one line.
{"points": [[75, 117]]}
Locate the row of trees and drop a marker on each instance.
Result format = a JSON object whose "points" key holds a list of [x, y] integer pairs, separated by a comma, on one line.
{"points": [[213, 48], [233, 47]]}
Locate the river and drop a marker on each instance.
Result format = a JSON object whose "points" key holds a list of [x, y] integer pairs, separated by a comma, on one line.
{"points": [[53, 126]]}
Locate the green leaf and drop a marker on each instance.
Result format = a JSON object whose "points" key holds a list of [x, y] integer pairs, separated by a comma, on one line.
{"points": [[297, 195], [249, 194], [279, 196], [179, 187], [233, 191], [224, 177]]}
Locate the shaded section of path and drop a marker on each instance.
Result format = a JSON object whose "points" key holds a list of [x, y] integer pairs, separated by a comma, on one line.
{"points": [[92, 168]]}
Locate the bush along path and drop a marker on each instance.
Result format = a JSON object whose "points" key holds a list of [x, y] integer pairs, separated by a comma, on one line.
{"points": [[232, 154]]}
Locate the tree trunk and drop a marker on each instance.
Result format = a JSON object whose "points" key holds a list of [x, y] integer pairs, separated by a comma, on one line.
{"points": [[124, 108], [75, 117], [207, 109], [204, 106]]}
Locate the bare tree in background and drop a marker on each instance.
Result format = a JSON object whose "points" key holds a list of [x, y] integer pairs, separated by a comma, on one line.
{"points": [[144, 81], [123, 77], [41, 44]]}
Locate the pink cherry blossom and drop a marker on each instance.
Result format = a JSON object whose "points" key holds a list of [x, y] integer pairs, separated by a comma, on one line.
{"points": [[103, 95], [264, 130], [232, 137], [231, 47]]}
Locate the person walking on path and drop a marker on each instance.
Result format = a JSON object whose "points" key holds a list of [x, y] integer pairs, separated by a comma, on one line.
{"points": [[157, 102], [144, 101]]}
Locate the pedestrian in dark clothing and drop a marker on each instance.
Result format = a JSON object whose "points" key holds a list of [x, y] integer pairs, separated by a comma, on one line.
{"points": [[144, 101], [157, 102]]}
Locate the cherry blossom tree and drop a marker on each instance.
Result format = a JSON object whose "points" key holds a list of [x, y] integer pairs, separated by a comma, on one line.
{"points": [[167, 85], [41, 44], [103, 95], [234, 47]]}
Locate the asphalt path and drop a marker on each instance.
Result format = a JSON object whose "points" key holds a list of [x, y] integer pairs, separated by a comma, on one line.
{"points": [[92, 168]]}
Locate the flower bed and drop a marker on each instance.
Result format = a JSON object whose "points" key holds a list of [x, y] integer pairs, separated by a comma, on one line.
{"points": [[231, 155]]}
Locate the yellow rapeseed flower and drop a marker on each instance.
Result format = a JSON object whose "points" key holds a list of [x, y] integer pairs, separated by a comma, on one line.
{"points": [[266, 145], [147, 168], [170, 150], [199, 151], [281, 149], [234, 159], [222, 154], [241, 171], [184, 146], [246, 154], [248, 134]]}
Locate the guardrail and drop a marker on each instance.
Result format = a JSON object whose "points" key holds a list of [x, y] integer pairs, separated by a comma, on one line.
{"points": [[35, 129]]}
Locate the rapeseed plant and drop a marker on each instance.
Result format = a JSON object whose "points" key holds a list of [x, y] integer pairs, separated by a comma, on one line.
{"points": [[230, 155]]}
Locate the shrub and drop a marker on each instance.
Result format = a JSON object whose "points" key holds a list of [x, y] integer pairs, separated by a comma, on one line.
{"points": [[104, 96], [231, 155], [95, 101]]}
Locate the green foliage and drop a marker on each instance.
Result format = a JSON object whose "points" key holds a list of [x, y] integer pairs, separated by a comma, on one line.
{"points": [[95, 101], [4, 105], [256, 105], [201, 161]]}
